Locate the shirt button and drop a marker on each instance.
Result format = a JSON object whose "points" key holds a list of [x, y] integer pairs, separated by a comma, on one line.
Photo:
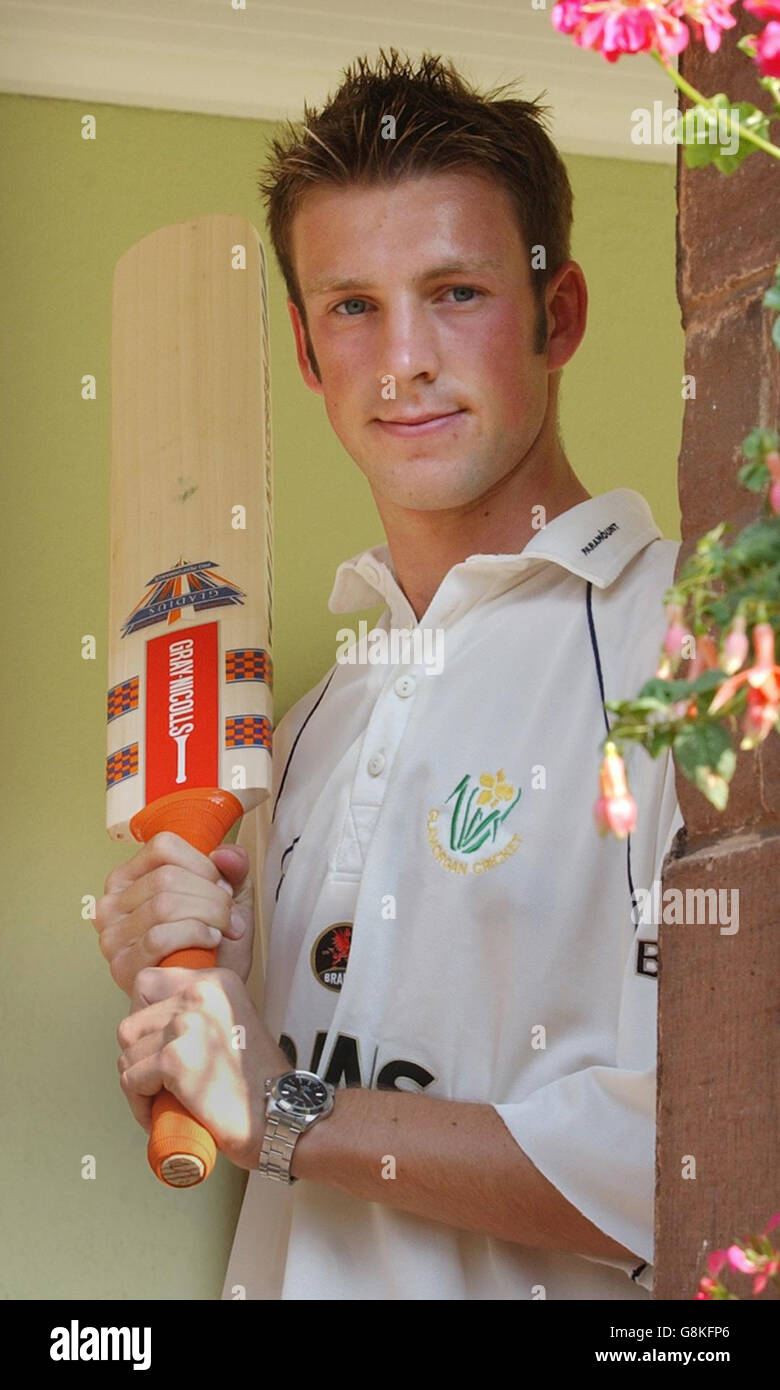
{"points": [[405, 686], [375, 764]]}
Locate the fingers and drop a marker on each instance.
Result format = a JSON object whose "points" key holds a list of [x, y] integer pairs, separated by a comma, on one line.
{"points": [[171, 879], [145, 916], [235, 953], [144, 1070], [147, 1036], [139, 1048], [167, 1041], [162, 910], [232, 862], [165, 848]]}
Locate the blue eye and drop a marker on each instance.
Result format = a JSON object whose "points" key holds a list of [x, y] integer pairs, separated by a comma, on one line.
{"points": [[346, 306], [350, 301]]}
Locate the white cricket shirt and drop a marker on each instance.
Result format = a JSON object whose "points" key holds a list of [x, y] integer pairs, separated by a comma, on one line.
{"points": [[445, 918]]}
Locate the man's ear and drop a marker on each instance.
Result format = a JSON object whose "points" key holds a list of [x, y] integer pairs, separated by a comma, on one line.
{"points": [[301, 351]]}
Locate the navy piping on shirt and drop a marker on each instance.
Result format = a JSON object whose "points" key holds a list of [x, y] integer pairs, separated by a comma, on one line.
{"points": [[281, 863], [595, 647], [295, 744], [284, 778], [597, 660]]}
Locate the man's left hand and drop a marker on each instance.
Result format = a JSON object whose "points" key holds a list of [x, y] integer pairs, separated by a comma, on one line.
{"points": [[198, 1034]]}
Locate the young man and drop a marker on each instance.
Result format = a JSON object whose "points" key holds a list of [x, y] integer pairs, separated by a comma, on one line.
{"points": [[453, 950]]}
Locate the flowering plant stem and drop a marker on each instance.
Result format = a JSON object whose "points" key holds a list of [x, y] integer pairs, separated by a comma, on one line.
{"points": [[744, 131]]}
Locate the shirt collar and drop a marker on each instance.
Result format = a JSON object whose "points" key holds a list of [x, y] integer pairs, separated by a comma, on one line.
{"points": [[595, 540]]}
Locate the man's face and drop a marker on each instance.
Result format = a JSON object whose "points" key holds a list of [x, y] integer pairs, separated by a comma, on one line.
{"points": [[423, 289]]}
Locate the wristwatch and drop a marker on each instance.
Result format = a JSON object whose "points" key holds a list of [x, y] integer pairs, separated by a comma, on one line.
{"points": [[295, 1101]]}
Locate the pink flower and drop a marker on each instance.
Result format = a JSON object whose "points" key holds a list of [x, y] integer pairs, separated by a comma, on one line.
{"points": [[706, 658], [763, 9], [764, 691], [768, 50], [673, 641], [612, 27], [762, 1262], [738, 1259], [709, 17], [758, 720], [615, 809], [711, 1288], [736, 646], [761, 1280], [675, 636]]}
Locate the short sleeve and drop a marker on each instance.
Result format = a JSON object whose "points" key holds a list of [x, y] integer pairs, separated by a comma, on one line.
{"points": [[592, 1133]]}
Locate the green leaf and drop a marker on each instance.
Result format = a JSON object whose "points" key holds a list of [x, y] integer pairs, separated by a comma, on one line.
{"points": [[706, 757], [776, 334], [663, 692], [756, 545], [708, 680], [753, 476], [701, 130], [759, 442], [658, 740], [705, 744], [646, 704], [709, 541]]}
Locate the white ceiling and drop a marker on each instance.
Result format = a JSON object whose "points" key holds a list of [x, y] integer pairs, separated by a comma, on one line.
{"points": [[203, 55]]}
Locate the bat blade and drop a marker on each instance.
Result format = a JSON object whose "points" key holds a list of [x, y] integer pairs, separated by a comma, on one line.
{"points": [[190, 613], [190, 697]]}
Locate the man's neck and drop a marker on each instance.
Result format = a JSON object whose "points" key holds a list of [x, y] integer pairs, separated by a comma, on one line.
{"points": [[424, 545]]}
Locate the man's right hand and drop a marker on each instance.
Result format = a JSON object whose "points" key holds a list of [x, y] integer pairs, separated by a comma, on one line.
{"points": [[170, 896]]}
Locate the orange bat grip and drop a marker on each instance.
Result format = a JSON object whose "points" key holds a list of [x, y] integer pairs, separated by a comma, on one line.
{"points": [[181, 1151]]}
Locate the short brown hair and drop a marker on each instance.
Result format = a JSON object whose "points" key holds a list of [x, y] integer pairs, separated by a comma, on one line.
{"points": [[442, 124]]}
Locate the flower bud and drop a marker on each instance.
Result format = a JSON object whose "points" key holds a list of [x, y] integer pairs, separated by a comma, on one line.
{"points": [[764, 645], [615, 809], [736, 646], [758, 720]]}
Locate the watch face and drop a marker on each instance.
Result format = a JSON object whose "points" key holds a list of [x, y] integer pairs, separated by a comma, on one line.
{"points": [[300, 1092]]}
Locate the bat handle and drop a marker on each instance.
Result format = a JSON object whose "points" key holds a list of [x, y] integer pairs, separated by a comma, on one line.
{"points": [[181, 1150]]}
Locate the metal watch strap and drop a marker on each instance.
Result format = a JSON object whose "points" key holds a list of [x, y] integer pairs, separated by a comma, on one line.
{"points": [[277, 1149]]}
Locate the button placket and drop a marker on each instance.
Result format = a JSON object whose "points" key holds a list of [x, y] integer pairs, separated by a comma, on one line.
{"points": [[405, 685], [379, 743]]}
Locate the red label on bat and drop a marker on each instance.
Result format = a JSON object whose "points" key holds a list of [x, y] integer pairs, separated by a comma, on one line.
{"points": [[182, 711]]}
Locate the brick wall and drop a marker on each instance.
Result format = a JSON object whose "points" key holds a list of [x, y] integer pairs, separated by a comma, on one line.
{"points": [[718, 992]]}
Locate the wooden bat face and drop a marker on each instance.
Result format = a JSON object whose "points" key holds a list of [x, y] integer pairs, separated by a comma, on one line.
{"points": [[190, 671]]}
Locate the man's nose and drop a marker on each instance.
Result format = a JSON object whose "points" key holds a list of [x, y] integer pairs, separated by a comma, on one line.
{"points": [[408, 346]]}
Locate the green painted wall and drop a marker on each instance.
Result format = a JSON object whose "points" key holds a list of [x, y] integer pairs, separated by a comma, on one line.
{"points": [[70, 209]]}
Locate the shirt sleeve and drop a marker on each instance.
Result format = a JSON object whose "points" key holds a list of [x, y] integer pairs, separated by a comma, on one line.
{"points": [[592, 1133]]}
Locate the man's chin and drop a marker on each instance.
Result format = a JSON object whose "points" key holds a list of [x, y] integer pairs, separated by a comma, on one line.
{"points": [[414, 495]]}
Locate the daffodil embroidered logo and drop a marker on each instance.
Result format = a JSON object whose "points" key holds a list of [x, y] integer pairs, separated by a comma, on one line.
{"points": [[476, 819]]}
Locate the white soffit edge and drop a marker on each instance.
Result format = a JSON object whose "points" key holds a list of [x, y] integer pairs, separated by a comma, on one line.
{"points": [[263, 60]]}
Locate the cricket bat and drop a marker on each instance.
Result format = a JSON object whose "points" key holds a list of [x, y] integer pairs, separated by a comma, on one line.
{"points": [[190, 678]]}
